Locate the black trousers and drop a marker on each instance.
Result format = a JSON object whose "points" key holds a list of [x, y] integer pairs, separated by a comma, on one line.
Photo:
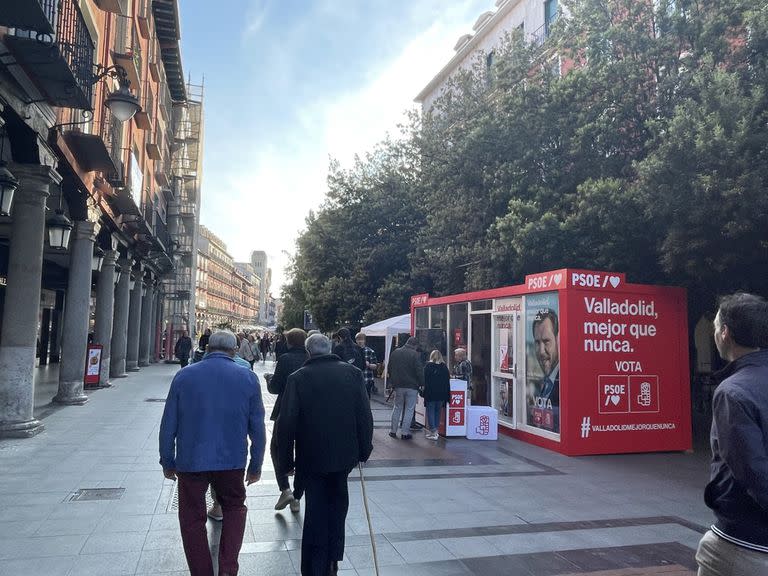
{"points": [[322, 542], [282, 479]]}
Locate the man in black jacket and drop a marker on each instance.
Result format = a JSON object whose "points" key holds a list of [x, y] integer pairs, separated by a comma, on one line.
{"points": [[738, 489], [287, 364], [183, 348], [325, 414]]}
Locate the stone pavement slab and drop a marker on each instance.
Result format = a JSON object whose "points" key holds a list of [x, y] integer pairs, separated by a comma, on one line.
{"points": [[451, 507]]}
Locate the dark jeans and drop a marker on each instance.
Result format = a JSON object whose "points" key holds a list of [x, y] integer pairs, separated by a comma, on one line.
{"points": [[322, 542], [183, 360], [433, 414], [230, 492], [282, 478]]}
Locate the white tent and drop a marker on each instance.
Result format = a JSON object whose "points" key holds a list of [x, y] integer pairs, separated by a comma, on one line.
{"points": [[388, 328]]}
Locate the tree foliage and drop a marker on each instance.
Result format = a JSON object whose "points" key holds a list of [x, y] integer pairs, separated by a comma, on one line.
{"points": [[647, 154]]}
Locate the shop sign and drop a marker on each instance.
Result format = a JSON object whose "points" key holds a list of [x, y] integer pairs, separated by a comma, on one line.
{"points": [[93, 365]]}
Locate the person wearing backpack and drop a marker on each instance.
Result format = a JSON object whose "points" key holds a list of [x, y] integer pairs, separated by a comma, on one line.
{"points": [[348, 351]]}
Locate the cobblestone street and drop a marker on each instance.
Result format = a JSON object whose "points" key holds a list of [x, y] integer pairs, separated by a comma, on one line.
{"points": [[455, 507]]}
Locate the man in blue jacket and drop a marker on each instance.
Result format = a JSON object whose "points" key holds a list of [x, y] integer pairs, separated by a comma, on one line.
{"points": [[737, 543], [213, 407]]}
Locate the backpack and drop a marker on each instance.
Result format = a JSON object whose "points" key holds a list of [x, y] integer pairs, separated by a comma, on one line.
{"points": [[352, 355]]}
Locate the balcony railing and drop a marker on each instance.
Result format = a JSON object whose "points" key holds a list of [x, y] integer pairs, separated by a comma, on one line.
{"points": [[61, 62], [161, 231], [127, 50], [144, 16], [166, 104]]}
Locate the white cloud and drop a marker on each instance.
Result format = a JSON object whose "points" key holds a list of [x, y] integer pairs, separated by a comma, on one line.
{"points": [[263, 204], [255, 17]]}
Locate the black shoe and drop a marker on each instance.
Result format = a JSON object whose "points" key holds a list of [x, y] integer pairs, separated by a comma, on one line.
{"points": [[392, 435], [406, 437]]}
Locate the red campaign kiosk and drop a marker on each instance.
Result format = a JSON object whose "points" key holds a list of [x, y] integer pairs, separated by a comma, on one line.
{"points": [[577, 361]]}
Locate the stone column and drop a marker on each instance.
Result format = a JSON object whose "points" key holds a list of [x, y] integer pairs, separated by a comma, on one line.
{"points": [[146, 329], [22, 301], [77, 309], [153, 327], [134, 323], [105, 312], [120, 324]]}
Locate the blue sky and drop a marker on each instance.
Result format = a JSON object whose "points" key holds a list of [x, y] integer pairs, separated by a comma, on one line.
{"points": [[290, 83]]}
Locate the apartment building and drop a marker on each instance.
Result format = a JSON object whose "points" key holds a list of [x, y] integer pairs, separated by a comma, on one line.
{"points": [[533, 17], [88, 93], [226, 293]]}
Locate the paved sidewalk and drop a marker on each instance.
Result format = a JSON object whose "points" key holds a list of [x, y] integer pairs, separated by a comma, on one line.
{"points": [[453, 507]]}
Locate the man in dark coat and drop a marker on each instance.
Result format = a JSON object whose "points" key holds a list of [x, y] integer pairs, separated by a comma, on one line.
{"points": [[325, 414], [287, 364], [737, 543], [183, 348], [406, 372]]}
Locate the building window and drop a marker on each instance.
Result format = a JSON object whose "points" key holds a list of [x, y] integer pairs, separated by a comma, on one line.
{"points": [[489, 67], [550, 15]]}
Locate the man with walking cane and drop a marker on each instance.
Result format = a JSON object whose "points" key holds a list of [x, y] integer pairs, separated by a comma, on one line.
{"points": [[326, 417]]}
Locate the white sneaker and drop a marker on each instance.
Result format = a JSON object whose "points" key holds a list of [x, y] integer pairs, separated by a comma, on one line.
{"points": [[286, 497], [433, 436], [295, 506]]}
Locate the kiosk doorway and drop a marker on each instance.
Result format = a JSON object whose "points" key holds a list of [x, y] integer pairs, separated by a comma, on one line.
{"points": [[480, 356]]}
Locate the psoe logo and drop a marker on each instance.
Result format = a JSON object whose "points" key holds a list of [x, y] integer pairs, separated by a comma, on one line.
{"points": [[585, 426], [545, 281], [594, 280], [419, 299]]}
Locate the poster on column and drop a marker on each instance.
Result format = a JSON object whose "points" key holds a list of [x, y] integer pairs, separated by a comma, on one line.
{"points": [[631, 356], [542, 374]]}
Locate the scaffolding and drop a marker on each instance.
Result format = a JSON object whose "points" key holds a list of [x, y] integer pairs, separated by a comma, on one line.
{"points": [[184, 214]]}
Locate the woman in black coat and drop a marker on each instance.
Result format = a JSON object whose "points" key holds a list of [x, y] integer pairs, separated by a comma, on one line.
{"points": [[437, 391]]}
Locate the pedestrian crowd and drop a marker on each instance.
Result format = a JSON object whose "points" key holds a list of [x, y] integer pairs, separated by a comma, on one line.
{"points": [[213, 436]]}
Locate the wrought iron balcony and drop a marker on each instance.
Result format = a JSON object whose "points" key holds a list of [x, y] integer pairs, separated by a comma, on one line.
{"points": [[97, 144], [145, 116], [52, 44], [29, 15], [127, 50]]}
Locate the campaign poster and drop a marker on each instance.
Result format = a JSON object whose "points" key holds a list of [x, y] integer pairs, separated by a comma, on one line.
{"points": [[542, 374], [628, 347]]}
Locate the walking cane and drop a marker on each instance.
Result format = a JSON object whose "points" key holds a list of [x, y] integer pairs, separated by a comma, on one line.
{"points": [[368, 516]]}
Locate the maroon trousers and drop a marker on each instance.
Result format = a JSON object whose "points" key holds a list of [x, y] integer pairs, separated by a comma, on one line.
{"points": [[230, 491]]}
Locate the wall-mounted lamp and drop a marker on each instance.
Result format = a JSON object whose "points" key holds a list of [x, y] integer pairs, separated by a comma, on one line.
{"points": [[59, 229], [97, 259], [121, 102]]}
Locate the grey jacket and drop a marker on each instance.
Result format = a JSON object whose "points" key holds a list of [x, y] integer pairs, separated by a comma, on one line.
{"points": [[405, 368]]}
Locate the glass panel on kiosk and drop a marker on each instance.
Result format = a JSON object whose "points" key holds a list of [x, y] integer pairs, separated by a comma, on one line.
{"points": [[430, 339], [422, 317], [480, 356], [457, 330], [439, 317], [481, 305], [507, 393]]}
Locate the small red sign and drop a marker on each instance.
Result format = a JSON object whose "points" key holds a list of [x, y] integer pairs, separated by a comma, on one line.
{"points": [[93, 365], [613, 394], [644, 393], [458, 398], [456, 417]]}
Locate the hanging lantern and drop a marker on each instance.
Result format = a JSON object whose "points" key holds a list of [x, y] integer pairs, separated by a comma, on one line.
{"points": [[59, 229]]}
